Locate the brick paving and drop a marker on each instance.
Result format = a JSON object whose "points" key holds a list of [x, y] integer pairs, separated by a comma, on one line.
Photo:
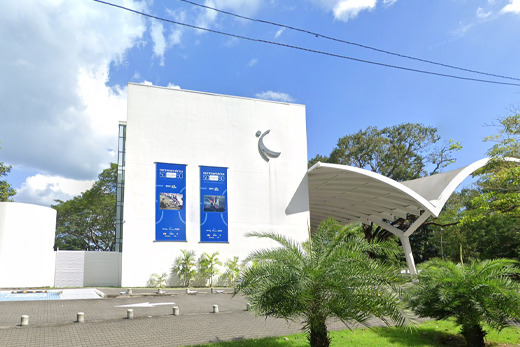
{"points": [[52, 322]]}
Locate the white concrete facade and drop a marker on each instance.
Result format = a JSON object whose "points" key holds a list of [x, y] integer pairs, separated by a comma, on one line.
{"points": [[87, 268], [26, 245], [199, 129]]}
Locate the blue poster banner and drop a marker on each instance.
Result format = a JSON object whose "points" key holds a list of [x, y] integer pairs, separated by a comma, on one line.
{"points": [[213, 204], [170, 202]]}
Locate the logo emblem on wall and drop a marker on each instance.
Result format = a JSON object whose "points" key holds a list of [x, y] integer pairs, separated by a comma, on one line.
{"points": [[264, 151]]}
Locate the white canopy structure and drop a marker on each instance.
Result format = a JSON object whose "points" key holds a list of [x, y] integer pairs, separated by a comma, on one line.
{"points": [[350, 194]]}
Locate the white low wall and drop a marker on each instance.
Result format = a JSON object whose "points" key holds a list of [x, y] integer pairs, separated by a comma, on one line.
{"points": [[26, 245], [87, 269]]}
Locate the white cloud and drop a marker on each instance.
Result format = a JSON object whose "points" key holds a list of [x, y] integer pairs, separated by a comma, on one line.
{"points": [[279, 33], [59, 118], [389, 2], [159, 42], [349, 9], [173, 86], [176, 32], [175, 37], [136, 76], [43, 190], [512, 7], [482, 14], [252, 62], [207, 17], [147, 83], [275, 96]]}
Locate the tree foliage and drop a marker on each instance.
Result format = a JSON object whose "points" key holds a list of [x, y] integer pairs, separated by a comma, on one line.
{"points": [[208, 266], [473, 294], [330, 275], [232, 272], [158, 281], [402, 152], [185, 267], [486, 217], [87, 222], [6, 191]]}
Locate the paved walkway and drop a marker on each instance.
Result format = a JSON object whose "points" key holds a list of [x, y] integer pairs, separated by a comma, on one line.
{"points": [[51, 323]]}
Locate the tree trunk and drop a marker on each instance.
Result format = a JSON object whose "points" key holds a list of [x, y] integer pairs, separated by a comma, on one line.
{"points": [[318, 336], [474, 335]]}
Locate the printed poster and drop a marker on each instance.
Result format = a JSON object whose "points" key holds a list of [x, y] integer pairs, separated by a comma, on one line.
{"points": [[213, 204], [170, 202]]}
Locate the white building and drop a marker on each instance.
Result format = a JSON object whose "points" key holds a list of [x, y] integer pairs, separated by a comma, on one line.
{"points": [[197, 172], [26, 245], [206, 135]]}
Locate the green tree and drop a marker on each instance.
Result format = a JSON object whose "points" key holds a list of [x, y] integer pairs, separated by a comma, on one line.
{"points": [[402, 152], [6, 191], [486, 217], [185, 267], [88, 220], [158, 281], [232, 272], [208, 266], [330, 275], [473, 294]]}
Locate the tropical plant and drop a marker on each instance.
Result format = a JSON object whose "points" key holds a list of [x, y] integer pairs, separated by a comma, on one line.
{"points": [[185, 267], [158, 281], [482, 221], [474, 294], [208, 266], [330, 275], [232, 272]]}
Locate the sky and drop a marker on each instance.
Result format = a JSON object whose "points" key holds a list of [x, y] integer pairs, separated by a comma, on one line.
{"points": [[65, 66]]}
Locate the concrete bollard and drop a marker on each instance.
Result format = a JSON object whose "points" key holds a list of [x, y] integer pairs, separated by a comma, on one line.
{"points": [[175, 310], [187, 290], [25, 320], [81, 317], [129, 291], [215, 308], [211, 290], [248, 307], [129, 314]]}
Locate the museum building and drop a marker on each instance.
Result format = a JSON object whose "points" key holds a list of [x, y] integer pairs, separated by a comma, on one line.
{"points": [[198, 172]]}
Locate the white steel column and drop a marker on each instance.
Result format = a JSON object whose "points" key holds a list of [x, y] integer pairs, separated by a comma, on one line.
{"points": [[405, 241]]}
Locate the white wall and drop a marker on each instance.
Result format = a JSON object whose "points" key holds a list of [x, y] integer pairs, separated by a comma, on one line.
{"points": [[87, 269], [193, 128], [26, 245]]}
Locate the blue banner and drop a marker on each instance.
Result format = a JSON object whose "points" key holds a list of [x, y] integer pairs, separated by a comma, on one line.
{"points": [[213, 204], [170, 202]]}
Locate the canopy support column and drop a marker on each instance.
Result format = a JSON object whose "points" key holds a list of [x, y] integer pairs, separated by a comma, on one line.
{"points": [[405, 241]]}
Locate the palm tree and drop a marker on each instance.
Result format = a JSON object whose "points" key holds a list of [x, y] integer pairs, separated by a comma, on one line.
{"points": [[331, 275], [185, 266], [232, 273], [481, 292], [208, 266]]}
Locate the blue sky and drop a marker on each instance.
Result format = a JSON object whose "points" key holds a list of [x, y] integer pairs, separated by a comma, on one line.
{"points": [[65, 65]]}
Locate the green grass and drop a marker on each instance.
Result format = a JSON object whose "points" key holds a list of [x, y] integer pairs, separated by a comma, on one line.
{"points": [[432, 333]]}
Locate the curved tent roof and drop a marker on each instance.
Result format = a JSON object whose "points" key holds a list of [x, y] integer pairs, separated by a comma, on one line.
{"points": [[350, 194]]}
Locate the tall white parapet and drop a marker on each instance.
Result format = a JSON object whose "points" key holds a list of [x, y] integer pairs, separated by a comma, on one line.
{"points": [[26, 245], [201, 170]]}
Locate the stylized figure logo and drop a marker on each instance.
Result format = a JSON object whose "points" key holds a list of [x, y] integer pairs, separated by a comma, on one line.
{"points": [[264, 151]]}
